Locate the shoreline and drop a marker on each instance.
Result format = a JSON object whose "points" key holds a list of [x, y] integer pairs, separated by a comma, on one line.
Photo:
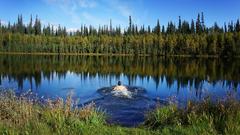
{"points": [[114, 54], [19, 115]]}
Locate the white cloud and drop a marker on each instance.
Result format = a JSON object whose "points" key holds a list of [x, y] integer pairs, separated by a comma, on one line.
{"points": [[71, 7], [90, 19], [72, 29], [87, 3], [3, 22], [122, 8], [52, 24], [79, 3], [125, 10], [80, 11]]}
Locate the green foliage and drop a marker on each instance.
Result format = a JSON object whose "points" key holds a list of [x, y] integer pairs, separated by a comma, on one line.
{"points": [[177, 40], [162, 117], [20, 115], [203, 117]]}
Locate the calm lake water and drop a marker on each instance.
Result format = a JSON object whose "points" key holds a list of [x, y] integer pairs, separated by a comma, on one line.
{"points": [[180, 78]]}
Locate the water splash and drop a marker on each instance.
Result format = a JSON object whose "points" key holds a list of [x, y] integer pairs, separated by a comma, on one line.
{"points": [[125, 107], [129, 92]]}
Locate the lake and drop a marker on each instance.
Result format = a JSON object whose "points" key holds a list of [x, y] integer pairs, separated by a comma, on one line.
{"points": [[164, 79]]}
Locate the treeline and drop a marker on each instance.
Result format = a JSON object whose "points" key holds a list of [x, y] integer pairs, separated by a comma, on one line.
{"points": [[193, 38]]}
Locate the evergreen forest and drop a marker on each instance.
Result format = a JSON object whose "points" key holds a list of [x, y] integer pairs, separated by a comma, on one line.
{"points": [[183, 38]]}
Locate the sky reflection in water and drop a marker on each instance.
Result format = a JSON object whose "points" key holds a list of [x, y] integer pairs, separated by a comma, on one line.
{"points": [[182, 78]]}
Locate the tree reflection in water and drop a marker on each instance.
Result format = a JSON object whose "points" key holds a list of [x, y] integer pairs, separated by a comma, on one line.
{"points": [[191, 72]]}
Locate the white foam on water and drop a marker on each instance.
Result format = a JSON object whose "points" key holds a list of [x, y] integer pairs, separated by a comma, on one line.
{"points": [[122, 93]]}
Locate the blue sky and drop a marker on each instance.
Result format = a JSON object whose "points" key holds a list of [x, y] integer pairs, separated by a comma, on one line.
{"points": [[73, 13]]}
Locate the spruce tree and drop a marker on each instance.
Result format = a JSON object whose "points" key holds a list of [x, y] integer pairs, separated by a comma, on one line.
{"points": [[111, 29], [225, 28], [157, 29], [237, 27], [179, 24], [198, 24], [192, 27], [163, 29], [130, 25], [149, 29], [30, 29], [202, 23], [37, 26]]}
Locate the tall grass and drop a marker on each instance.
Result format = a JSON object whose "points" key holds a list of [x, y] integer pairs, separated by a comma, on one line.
{"points": [[22, 115], [205, 117]]}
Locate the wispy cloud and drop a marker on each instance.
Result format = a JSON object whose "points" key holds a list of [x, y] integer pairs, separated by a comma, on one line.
{"points": [[71, 7], [86, 11], [87, 3], [80, 3], [120, 7], [66, 6], [93, 19], [124, 10]]}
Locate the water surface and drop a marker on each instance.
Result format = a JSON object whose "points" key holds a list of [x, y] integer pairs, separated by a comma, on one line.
{"points": [[182, 78]]}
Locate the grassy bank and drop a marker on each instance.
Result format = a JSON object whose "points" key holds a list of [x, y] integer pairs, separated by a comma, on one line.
{"points": [[20, 115], [206, 117]]}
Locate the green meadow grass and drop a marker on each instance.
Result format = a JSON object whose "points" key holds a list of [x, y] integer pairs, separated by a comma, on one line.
{"points": [[20, 115]]}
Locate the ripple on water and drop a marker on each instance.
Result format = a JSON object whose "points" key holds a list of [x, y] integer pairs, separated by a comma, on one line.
{"points": [[126, 111]]}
